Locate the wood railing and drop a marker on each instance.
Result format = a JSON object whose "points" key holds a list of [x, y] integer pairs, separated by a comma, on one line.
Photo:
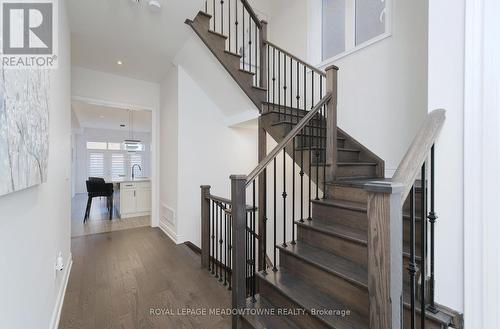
{"points": [[386, 207]]}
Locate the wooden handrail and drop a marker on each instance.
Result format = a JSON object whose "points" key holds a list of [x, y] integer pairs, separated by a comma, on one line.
{"points": [[220, 199], [252, 13], [310, 66], [411, 164], [294, 132]]}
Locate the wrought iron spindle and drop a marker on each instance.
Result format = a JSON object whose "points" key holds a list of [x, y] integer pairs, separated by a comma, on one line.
{"points": [[256, 48], [222, 16], [212, 238], [432, 220], [229, 22], [279, 84], [293, 184], [206, 7], [423, 244], [298, 92], [309, 196], [243, 44], [225, 246], [230, 250], [254, 237], [323, 125], [274, 210], [236, 26], [304, 87], [274, 76], [302, 175], [213, 18], [220, 240], [249, 44], [284, 195], [216, 240], [412, 266], [284, 83]]}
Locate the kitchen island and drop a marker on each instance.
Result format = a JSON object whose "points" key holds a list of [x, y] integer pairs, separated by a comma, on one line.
{"points": [[132, 197]]}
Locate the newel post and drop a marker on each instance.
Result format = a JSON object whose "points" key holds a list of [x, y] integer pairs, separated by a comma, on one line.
{"points": [[238, 211], [385, 250], [331, 124], [205, 225]]}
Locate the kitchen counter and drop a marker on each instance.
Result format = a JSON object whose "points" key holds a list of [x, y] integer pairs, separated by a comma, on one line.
{"points": [[133, 196]]}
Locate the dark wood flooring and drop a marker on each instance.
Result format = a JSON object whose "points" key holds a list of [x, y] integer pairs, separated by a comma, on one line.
{"points": [[118, 277]]}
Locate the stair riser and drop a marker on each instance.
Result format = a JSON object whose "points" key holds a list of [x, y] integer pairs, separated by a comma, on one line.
{"points": [[351, 250], [306, 141], [357, 171], [281, 301], [341, 289], [347, 156], [347, 193], [280, 113], [337, 215]]}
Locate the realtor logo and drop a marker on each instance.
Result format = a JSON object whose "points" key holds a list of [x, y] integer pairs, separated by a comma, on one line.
{"points": [[28, 33]]}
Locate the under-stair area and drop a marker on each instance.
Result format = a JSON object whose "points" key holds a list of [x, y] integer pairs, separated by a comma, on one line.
{"points": [[315, 236]]}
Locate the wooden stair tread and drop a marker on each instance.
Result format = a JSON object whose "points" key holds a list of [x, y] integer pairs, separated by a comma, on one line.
{"points": [[360, 163], [329, 262], [232, 53], [307, 148], [201, 12], [261, 319], [440, 317], [341, 231], [309, 297], [351, 205]]}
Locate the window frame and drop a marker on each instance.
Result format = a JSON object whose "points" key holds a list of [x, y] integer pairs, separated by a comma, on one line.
{"points": [[315, 51]]}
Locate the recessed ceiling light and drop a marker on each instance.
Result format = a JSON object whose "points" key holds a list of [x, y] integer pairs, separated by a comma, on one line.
{"points": [[155, 5], [119, 62], [101, 116]]}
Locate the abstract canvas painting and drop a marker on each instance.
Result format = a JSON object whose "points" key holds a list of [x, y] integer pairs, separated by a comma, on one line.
{"points": [[24, 128]]}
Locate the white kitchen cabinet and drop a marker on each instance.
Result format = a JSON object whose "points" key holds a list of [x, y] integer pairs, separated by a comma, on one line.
{"points": [[135, 199]]}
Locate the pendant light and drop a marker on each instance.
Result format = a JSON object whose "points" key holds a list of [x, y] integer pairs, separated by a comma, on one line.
{"points": [[131, 144]]}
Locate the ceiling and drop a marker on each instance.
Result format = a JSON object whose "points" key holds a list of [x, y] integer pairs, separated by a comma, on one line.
{"points": [[104, 117], [105, 31]]}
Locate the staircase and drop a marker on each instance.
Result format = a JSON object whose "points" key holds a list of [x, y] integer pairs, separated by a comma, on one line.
{"points": [[331, 266]]}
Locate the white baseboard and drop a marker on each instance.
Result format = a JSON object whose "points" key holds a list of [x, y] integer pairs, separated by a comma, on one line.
{"points": [[177, 239], [56, 314]]}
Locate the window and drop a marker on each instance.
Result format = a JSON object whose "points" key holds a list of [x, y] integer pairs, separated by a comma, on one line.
{"points": [[114, 146], [347, 25], [117, 165], [96, 164]]}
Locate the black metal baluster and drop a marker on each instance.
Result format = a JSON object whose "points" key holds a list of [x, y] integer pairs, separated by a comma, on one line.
{"points": [[298, 92], [254, 237], [247, 253], [222, 16], [230, 250], [292, 116], [225, 246], [279, 84], [243, 44], [305, 90], [206, 7], [274, 209], [312, 90], [284, 85], [412, 266], [293, 185], [236, 27], [432, 220], [284, 195], [302, 142], [268, 73], [423, 245], [261, 234], [274, 77], [256, 48], [229, 21], [212, 237], [249, 44], [309, 196], [220, 241], [216, 240], [323, 123], [214, 14]]}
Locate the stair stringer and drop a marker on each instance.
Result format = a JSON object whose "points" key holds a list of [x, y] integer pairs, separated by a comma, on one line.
{"points": [[216, 43]]}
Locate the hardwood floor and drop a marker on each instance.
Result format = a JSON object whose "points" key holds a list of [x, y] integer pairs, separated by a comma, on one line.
{"points": [[119, 277], [98, 221]]}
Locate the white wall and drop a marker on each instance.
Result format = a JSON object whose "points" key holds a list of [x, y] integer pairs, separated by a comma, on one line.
{"points": [[117, 91], [105, 135], [446, 90], [207, 152], [169, 152], [384, 83], [35, 223]]}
